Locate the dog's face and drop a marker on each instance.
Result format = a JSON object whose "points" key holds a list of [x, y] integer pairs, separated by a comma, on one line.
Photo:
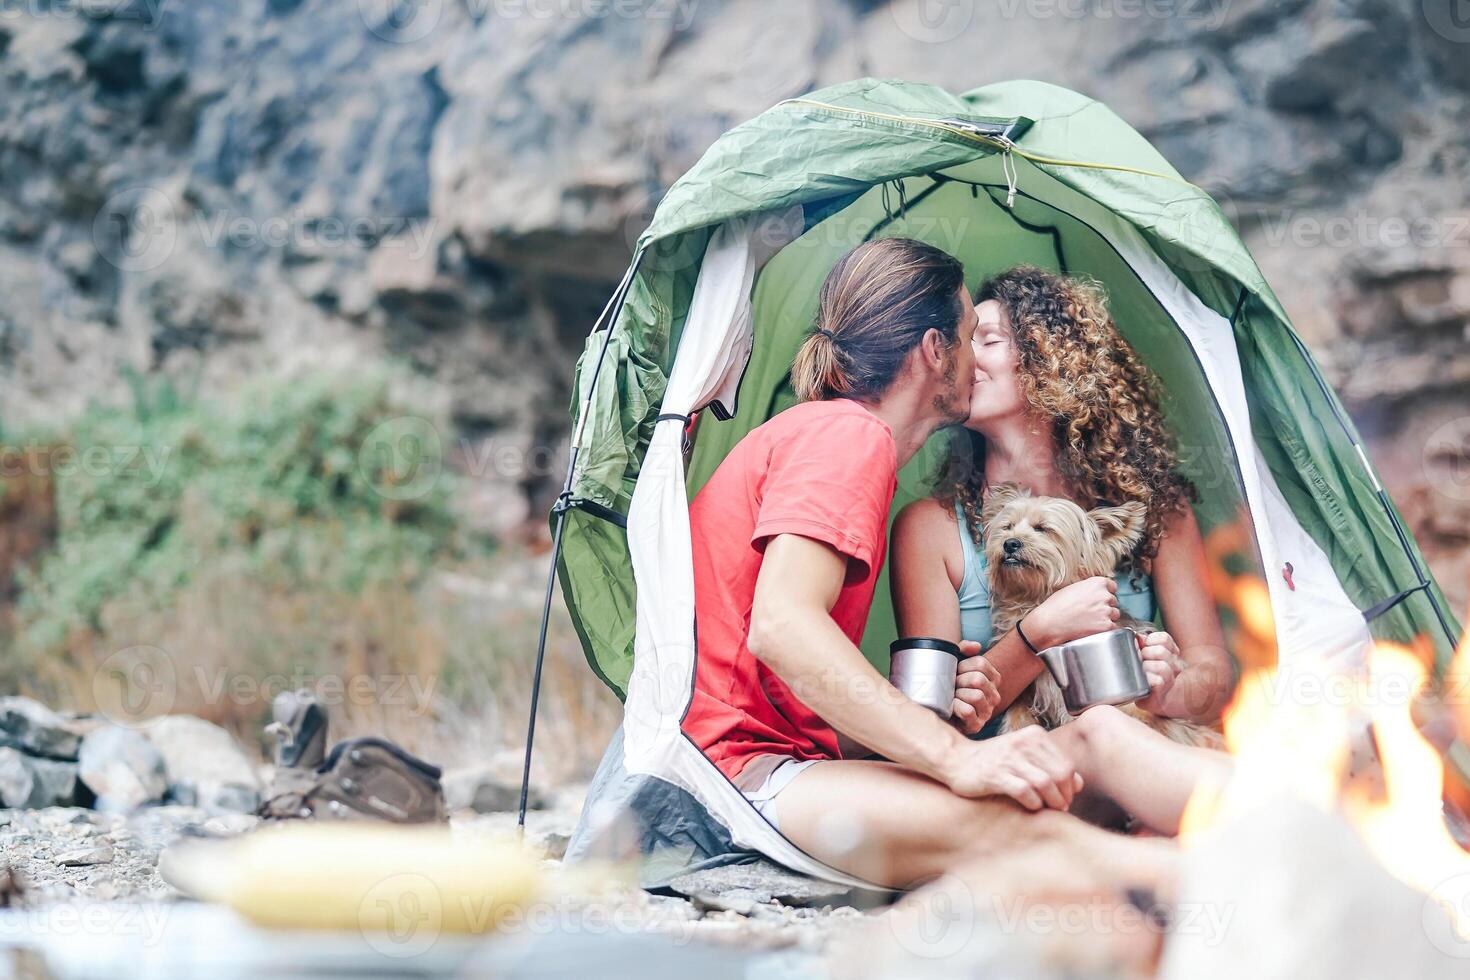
{"points": [[1037, 545]]}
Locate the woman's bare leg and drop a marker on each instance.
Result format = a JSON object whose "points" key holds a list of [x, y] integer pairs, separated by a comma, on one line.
{"points": [[1147, 774], [894, 827]]}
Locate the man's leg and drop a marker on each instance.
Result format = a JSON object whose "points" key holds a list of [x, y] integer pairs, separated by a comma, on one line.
{"points": [[894, 827]]}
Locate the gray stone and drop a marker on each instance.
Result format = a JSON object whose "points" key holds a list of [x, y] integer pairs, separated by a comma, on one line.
{"points": [[32, 783], [86, 856], [35, 729], [204, 765], [483, 791], [122, 768], [762, 878]]}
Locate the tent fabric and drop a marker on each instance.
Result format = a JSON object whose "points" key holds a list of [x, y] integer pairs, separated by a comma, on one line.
{"points": [[878, 131], [721, 290]]}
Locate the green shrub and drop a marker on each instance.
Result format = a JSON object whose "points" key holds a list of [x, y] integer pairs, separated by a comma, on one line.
{"points": [[289, 483]]}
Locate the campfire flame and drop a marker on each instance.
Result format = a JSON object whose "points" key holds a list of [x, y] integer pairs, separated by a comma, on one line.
{"points": [[1359, 753]]}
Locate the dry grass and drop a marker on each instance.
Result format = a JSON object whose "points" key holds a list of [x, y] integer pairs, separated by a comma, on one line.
{"points": [[444, 669]]}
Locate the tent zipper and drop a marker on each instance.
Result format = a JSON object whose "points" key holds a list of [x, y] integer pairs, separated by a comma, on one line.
{"points": [[965, 132]]}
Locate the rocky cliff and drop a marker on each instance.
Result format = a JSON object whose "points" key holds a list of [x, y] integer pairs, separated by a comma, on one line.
{"points": [[212, 189]]}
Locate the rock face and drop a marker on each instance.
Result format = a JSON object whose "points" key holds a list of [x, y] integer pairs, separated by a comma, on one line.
{"points": [[211, 189]]}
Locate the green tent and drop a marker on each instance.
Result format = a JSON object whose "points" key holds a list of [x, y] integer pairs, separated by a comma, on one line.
{"points": [[1005, 174]]}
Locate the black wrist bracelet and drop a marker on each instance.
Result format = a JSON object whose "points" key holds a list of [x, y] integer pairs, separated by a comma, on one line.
{"points": [[1022, 634]]}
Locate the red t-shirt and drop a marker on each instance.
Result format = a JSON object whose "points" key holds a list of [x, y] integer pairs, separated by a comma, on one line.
{"points": [[825, 470]]}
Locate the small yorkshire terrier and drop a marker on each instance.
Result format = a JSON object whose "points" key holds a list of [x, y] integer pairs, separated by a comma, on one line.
{"points": [[1037, 545]]}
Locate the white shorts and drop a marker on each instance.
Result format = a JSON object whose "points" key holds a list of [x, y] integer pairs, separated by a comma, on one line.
{"points": [[764, 795]]}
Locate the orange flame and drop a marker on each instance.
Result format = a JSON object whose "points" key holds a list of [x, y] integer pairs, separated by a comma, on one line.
{"points": [[1405, 826], [1298, 742]]}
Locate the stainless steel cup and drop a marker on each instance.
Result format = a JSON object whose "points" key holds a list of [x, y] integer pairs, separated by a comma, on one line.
{"points": [[1103, 668], [925, 668]]}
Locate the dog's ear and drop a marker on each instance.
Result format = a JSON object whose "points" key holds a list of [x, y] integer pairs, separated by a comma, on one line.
{"points": [[1121, 526], [1000, 495]]}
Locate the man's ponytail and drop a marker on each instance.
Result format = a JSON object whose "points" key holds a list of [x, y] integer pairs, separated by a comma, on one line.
{"points": [[876, 305]]}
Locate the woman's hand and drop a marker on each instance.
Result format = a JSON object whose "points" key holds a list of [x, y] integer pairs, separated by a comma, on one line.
{"points": [[1080, 609], [976, 691], [1024, 765], [1163, 664]]}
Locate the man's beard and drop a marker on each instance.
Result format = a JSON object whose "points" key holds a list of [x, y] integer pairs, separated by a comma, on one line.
{"points": [[948, 403]]}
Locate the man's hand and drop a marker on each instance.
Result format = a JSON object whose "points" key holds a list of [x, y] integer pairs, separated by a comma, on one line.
{"points": [[976, 690], [1024, 765], [1080, 609], [1163, 664]]}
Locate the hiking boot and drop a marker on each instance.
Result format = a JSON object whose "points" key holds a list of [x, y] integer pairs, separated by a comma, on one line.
{"points": [[299, 725]]}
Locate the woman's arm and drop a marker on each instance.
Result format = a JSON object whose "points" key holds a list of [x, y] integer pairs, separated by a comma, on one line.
{"points": [[924, 578], [928, 567], [1203, 670]]}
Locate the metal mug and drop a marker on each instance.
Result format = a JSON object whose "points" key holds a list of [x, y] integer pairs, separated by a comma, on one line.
{"points": [[925, 669], [1104, 668]]}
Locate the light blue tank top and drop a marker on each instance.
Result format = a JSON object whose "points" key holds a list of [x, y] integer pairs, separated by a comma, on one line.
{"points": [[1135, 593]]}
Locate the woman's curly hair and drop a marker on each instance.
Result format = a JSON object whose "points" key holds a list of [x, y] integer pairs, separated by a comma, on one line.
{"points": [[1077, 370]]}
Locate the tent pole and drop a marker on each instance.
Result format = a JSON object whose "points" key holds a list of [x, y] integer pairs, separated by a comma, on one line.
{"points": [[561, 521], [563, 502]]}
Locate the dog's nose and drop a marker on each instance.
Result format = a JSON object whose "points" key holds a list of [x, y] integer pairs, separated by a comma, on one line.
{"points": [[1012, 545]]}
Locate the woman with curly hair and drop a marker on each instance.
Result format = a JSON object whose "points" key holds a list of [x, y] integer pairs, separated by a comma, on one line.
{"points": [[1063, 407]]}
